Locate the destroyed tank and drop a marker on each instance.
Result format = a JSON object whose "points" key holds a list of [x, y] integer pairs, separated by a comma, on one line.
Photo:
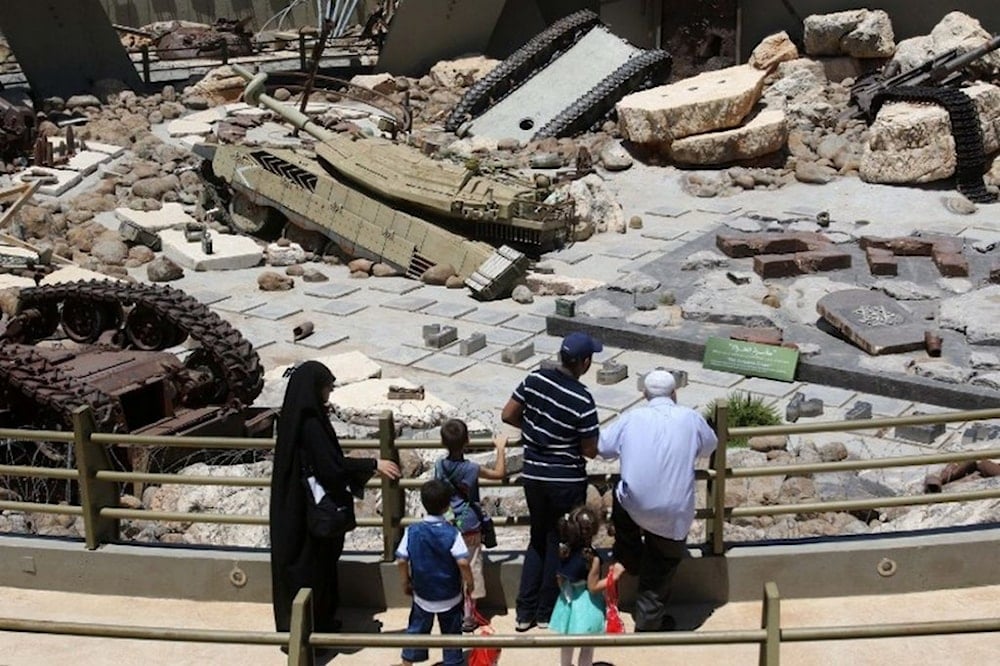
{"points": [[117, 366], [386, 201]]}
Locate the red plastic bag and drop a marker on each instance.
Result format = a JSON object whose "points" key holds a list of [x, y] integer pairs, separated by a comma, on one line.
{"points": [[613, 623], [483, 656]]}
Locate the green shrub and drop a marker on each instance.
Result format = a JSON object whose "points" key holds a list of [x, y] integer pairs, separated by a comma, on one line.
{"points": [[745, 409]]}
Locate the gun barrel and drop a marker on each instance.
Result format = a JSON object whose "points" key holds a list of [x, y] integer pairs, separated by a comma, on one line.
{"points": [[966, 59], [254, 95]]}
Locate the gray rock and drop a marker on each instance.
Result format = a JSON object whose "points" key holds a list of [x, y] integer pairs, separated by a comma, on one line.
{"points": [[955, 285], [438, 274], [744, 224], [111, 252], [833, 451], [985, 246], [521, 294], [385, 270], [312, 275], [196, 102], [600, 308], [872, 38], [705, 259], [635, 283], [271, 281], [942, 372], [162, 269], [990, 380], [657, 318], [904, 290], [765, 443], [614, 157], [981, 360], [295, 270], [824, 32], [156, 187], [959, 205], [546, 161], [810, 172], [80, 101], [974, 314]]}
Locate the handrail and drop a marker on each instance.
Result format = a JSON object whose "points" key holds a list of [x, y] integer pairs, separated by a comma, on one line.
{"points": [[145, 633], [865, 424], [872, 463], [890, 630], [715, 637], [40, 472], [41, 507]]}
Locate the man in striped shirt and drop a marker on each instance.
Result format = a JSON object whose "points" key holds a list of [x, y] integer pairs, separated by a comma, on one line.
{"points": [[558, 422]]}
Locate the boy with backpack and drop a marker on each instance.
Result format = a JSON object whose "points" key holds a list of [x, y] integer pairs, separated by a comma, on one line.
{"points": [[462, 476]]}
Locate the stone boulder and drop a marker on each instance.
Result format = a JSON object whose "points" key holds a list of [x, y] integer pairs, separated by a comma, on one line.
{"points": [[764, 134], [614, 157], [110, 251], [717, 300], [955, 31], [155, 187], [860, 33], [597, 205], [710, 101], [381, 83], [772, 50], [360, 265], [219, 86], [382, 269], [437, 275], [271, 281], [912, 143], [284, 254], [462, 72], [974, 314], [560, 285], [162, 269]]}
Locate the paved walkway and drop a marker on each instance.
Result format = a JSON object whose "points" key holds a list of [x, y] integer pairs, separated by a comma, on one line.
{"points": [[31, 650]]}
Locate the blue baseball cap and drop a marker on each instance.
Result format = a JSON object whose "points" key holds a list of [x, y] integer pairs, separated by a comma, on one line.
{"points": [[579, 345]]}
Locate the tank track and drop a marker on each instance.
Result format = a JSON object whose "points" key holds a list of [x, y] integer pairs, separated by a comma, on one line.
{"points": [[638, 73], [228, 351], [969, 149], [52, 393], [520, 65]]}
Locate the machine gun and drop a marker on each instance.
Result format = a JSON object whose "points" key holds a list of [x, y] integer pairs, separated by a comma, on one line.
{"points": [[943, 70]]}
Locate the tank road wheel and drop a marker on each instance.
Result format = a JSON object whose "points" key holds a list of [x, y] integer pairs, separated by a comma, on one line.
{"points": [[84, 322], [212, 389], [253, 219], [35, 323], [147, 331]]}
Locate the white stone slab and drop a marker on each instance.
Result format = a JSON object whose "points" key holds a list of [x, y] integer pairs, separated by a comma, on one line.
{"points": [[444, 364], [171, 215], [21, 255], [95, 146], [322, 339], [241, 303], [274, 310], [72, 274], [249, 112], [8, 281], [229, 252], [207, 116], [87, 161], [395, 285], [185, 127], [341, 308], [329, 290], [65, 179], [238, 106], [192, 140], [401, 355]]}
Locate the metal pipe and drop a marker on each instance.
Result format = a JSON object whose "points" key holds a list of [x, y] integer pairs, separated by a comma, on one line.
{"points": [[854, 505], [144, 633], [188, 442], [541, 640], [254, 95], [868, 424], [933, 483], [40, 472], [36, 435], [184, 479], [894, 630], [850, 465], [181, 517], [35, 507]]}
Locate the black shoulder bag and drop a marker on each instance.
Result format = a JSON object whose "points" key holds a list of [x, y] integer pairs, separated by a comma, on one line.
{"points": [[487, 528], [328, 517]]}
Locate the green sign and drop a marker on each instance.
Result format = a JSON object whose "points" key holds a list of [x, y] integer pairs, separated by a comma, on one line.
{"points": [[751, 359]]}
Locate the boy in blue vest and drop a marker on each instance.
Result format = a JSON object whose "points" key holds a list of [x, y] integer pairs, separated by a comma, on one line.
{"points": [[434, 563]]}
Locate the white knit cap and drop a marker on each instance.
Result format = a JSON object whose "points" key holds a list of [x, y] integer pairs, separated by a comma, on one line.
{"points": [[659, 383]]}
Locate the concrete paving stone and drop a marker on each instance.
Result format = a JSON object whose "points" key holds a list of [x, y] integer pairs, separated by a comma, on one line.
{"points": [[614, 397], [636, 265], [662, 232], [322, 339], [505, 337], [95, 146], [192, 140], [803, 210], [629, 251], [182, 127], [172, 214], [698, 396], [230, 252], [571, 255], [274, 310], [488, 316], [444, 364], [761, 385], [483, 354], [831, 396], [258, 339], [668, 210], [208, 297], [528, 323], [448, 310], [528, 364], [341, 308], [65, 179], [409, 303], [720, 207], [394, 285], [210, 115], [329, 290], [547, 344], [606, 416], [605, 354], [241, 303], [87, 161], [401, 355]]}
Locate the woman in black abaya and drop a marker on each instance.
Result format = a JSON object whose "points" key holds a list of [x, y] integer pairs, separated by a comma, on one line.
{"points": [[306, 437]]}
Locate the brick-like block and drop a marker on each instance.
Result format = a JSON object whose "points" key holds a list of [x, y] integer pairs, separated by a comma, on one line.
{"points": [[951, 264], [881, 261], [903, 246], [565, 307], [612, 373], [979, 432], [437, 336], [518, 353], [775, 265], [472, 344], [924, 434], [816, 261], [748, 245], [861, 411]]}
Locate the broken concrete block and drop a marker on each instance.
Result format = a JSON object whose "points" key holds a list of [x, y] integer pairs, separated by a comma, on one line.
{"points": [[472, 344], [437, 336], [518, 353], [381, 83], [861, 411], [565, 307], [612, 373], [764, 134], [799, 406], [228, 252], [823, 32], [924, 434], [711, 101], [951, 264], [772, 50], [748, 245], [881, 261], [979, 432]]}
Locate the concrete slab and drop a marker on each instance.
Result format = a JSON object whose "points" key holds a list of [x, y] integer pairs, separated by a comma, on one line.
{"points": [[86, 161], [273, 134], [401, 355], [618, 398], [329, 290], [487, 352], [488, 316], [668, 211], [626, 251], [258, 339], [207, 116], [8, 281], [720, 207], [662, 232], [65, 179], [394, 285], [760, 385], [547, 344], [449, 310], [323, 339], [341, 308], [527, 323], [409, 303], [191, 140], [444, 364], [571, 255], [274, 310], [171, 215], [183, 127], [108, 149], [230, 252], [240, 304], [505, 337], [208, 297]]}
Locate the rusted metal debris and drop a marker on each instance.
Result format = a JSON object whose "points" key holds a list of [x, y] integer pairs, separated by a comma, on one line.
{"points": [[405, 393], [934, 483]]}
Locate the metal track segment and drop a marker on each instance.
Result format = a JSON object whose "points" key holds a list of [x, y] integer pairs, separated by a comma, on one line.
{"points": [[638, 73], [970, 152], [228, 349], [54, 393], [520, 65]]}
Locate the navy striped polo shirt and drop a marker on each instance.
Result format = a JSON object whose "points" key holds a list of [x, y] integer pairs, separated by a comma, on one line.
{"points": [[558, 412]]}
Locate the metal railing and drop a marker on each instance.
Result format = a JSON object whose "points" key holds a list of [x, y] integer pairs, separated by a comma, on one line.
{"points": [[300, 641], [99, 490]]}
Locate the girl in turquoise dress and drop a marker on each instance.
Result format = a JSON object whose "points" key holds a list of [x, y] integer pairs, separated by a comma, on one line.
{"points": [[580, 606]]}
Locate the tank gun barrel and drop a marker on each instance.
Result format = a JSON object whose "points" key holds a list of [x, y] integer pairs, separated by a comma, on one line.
{"points": [[254, 95]]}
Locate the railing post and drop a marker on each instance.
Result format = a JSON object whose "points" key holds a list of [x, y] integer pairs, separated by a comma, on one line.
{"points": [[225, 52], [393, 497], [145, 64], [770, 621], [300, 653], [302, 51], [94, 494], [717, 489]]}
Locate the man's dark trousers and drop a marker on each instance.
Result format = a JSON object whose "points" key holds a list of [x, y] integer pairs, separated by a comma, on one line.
{"points": [[547, 501], [654, 559]]}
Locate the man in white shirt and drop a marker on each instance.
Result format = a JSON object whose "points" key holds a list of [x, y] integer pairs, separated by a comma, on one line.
{"points": [[653, 509]]}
